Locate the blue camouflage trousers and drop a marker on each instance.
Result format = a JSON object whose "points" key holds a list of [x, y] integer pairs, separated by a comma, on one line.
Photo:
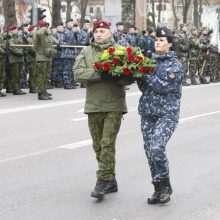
{"points": [[67, 64], [156, 133]]}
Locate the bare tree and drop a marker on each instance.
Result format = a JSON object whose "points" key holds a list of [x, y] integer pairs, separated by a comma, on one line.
{"points": [[68, 9], [56, 16], [159, 11], [200, 13], [186, 5], [174, 14], [9, 12], [83, 6], [195, 13]]}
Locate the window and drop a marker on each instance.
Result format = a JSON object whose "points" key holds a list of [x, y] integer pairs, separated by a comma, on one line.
{"points": [[91, 10]]}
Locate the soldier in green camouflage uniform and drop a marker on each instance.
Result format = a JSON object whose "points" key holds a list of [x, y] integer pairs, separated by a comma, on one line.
{"points": [[105, 105], [183, 46], [44, 42], [16, 61], [2, 65], [195, 47], [204, 56], [31, 58], [214, 63]]}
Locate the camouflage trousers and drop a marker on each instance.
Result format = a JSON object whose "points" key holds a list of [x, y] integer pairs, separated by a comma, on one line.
{"points": [[43, 75], [2, 73], [57, 70], [184, 61], [104, 128], [67, 66], [32, 75], [193, 68], [203, 59], [156, 133], [16, 75]]}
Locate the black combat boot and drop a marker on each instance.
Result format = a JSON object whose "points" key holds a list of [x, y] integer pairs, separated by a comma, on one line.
{"points": [[194, 82], [112, 186], [43, 96], [204, 81], [32, 90], [155, 198], [19, 92], [184, 83], [47, 93], [99, 190], [166, 191]]}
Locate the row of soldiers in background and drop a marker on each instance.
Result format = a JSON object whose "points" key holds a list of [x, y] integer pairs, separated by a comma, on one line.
{"points": [[40, 66], [198, 56]]}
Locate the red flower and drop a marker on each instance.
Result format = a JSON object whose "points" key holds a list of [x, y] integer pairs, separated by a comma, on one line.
{"points": [[138, 59], [142, 69], [126, 71], [106, 66], [129, 50], [111, 50], [115, 60], [151, 70], [131, 57], [98, 65]]}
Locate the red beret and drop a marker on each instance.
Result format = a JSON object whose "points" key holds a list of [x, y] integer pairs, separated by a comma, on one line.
{"points": [[43, 23], [31, 28], [12, 27], [101, 24]]}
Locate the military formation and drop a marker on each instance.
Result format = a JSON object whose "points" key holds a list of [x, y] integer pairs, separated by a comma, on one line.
{"points": [[42, 57]]}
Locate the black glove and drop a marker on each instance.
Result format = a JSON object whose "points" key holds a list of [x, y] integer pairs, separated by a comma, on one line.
{"points": [[58, 47]]}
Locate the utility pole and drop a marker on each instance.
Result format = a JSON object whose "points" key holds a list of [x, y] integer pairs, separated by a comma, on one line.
{"points": [[34, 11]]}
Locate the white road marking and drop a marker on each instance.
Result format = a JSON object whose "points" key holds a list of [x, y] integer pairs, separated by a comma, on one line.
{"points": [[198, 116], [77, 144], [79, 119]]}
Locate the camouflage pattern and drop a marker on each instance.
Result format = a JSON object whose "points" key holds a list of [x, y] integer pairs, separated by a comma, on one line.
{"points": [[131, 38], [104, 128], [57, 63], [156, 133], [204, 55], [84, 37], [194, 49], [45, 51], [16, 63], [32, 64], [182, 45], [117, 36], [213, 60], [159, 107]]}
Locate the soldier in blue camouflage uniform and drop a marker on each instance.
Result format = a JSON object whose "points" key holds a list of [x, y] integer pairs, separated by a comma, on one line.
{"points": [[84, 39], [58, 64], [131, 37], [159, 107], [119, 32], [69, 55], [122, 40]]}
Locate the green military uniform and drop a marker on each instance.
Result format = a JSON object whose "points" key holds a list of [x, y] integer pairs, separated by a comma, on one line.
{"points": [[32, 64], [2, 65], [105, 105], [204, 57], [16, 64], [195, 47], [44, 50], [214, 63]]}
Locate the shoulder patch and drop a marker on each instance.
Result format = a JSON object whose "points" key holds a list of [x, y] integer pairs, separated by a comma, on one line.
{"points": [[172, 75]]}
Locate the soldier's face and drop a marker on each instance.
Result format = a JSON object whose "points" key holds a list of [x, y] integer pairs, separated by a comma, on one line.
{"points": [[120, 27], [162, 46], [102, 35]]}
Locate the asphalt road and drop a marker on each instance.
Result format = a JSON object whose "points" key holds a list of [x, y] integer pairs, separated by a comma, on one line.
{"points": [[47, 166]]}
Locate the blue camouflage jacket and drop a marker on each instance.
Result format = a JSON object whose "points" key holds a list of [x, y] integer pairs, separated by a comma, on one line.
{"points": [[60, 36], [161, 92], [70, 39]]}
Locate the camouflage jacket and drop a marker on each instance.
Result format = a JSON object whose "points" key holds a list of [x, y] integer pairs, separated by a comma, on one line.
{"points": [[101, 95], [84, 37], [70, 39], [44, 45], [60, 36], [15, 53], [161, 92], [2, 47], [31, 51], [131, 39]]}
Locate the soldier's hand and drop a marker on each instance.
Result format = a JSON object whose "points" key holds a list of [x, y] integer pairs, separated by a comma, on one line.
{"points": [[58, 47], [7, 37]]}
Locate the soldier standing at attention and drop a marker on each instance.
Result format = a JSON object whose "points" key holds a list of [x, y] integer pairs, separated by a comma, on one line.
{"points": [[31, 58], [183, 47], [159, 107], [131, 37], [119, 31], [16, 61], [44, 42], [194, 48], [105, 105], [68, 56], [2, 65]]}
